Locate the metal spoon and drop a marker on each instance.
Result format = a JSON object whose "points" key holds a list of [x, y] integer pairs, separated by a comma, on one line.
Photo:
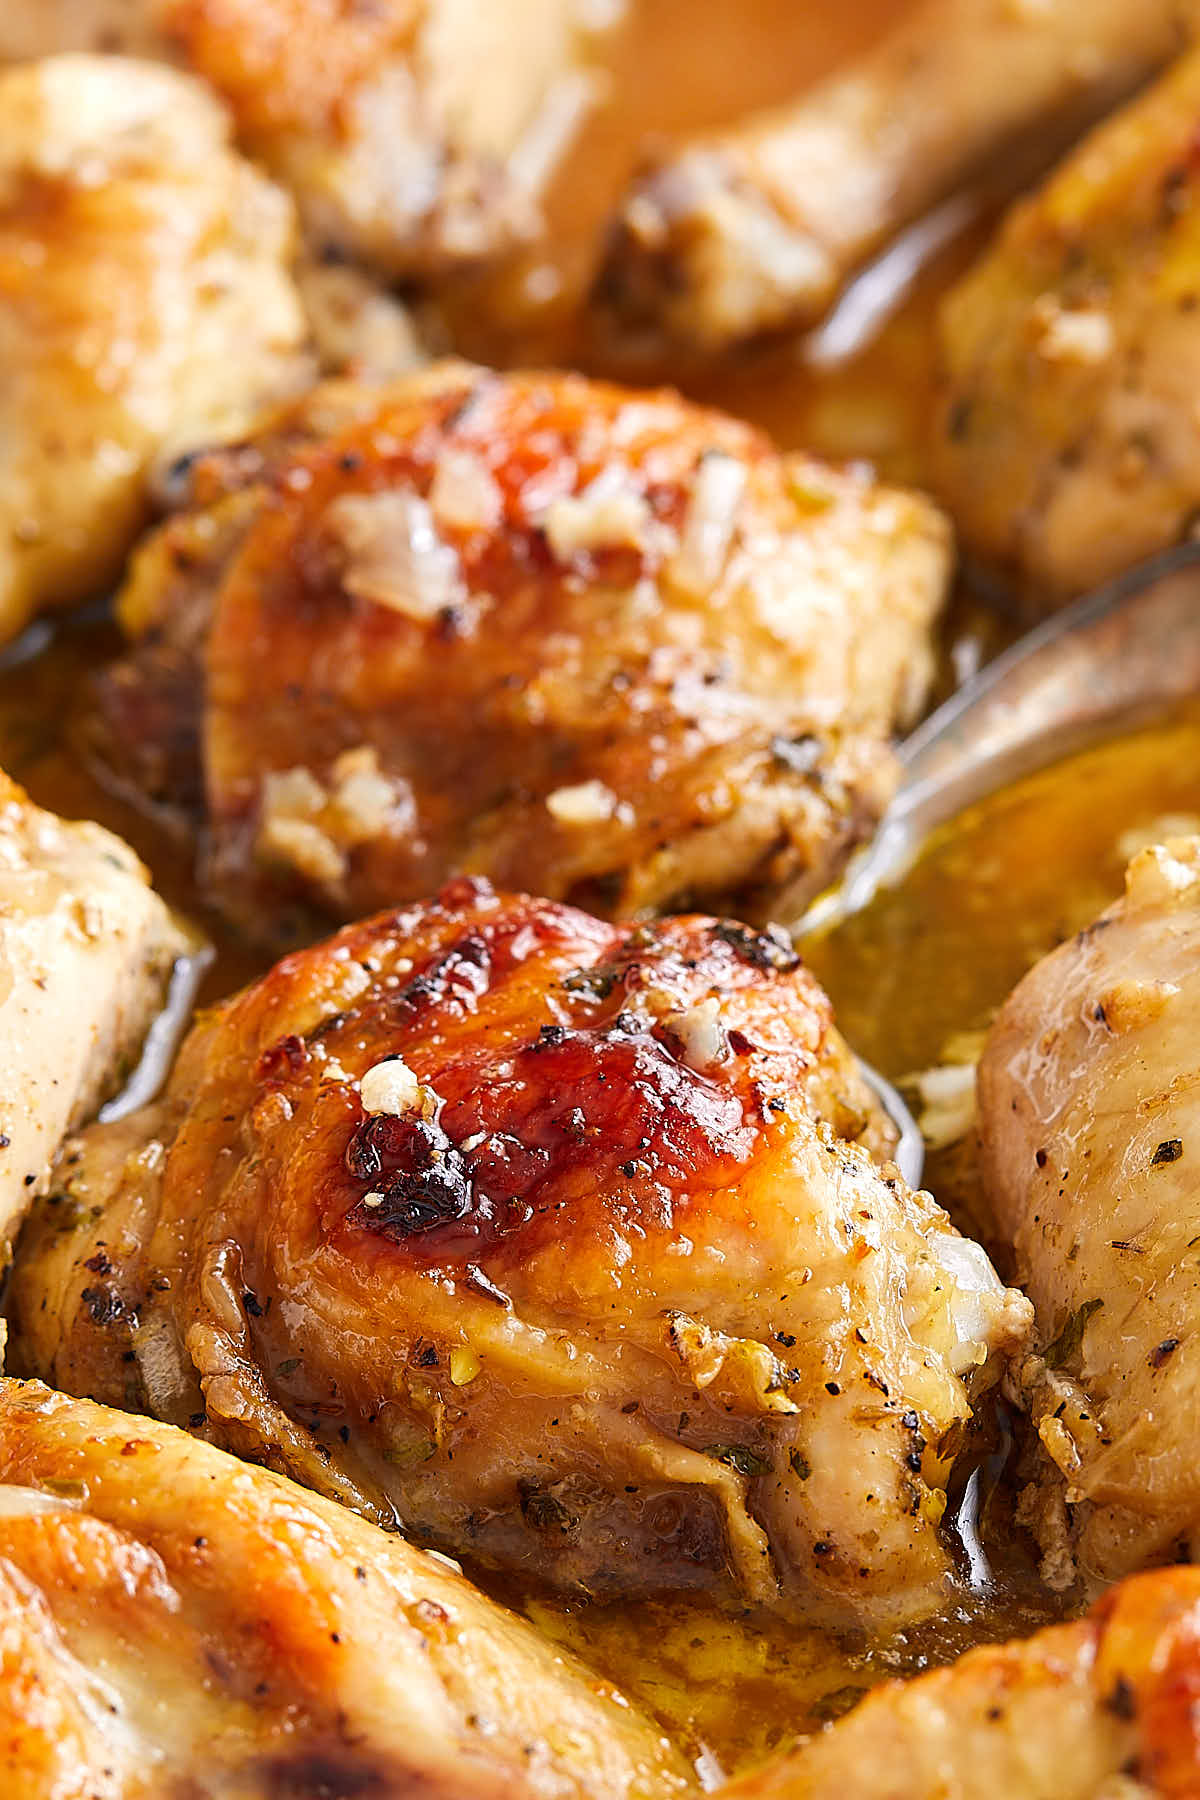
{"points": [[1120, 654], [1128, 650]]}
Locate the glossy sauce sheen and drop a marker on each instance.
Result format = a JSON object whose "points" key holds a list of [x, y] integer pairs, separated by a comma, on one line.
{"points": [[735, 1685]]}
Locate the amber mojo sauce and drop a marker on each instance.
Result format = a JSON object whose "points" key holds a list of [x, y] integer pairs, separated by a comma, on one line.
{"points": [[932, 957]]}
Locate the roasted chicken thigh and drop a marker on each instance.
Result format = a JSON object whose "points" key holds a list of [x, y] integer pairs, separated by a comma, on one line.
{"points": [[414, 134], [759, 227], [174, 1623], [1087, 1095], [598, 644], [86, 949], [1069, 439], [1102, 1709], [556, 1242], [145, 305]]}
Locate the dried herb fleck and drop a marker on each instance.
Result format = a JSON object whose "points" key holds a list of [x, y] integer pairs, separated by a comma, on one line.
{"points": [[739, 1457], [1067, 1344]]}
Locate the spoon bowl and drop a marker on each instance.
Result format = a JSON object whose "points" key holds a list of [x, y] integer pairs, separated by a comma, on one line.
{"points": [[1109, 661]]}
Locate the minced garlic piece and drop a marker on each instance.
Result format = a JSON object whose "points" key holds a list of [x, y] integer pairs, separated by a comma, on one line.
{"points": [[394, 556], [587, 803], [711, 521], [391, 1087], [609, 514], [303, 847], [1077, 335], [465, 493]]}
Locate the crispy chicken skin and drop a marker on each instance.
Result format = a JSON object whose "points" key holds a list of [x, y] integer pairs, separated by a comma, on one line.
{"points": [[1087, 1095], [759, 228], [594, 643], [1102, 1709], [547, 1239], [86, 947], [1068, 444], [414, 134], [175, 1623], [145, 302]]}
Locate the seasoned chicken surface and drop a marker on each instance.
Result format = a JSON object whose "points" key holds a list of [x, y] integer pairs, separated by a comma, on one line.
{"points": [[86, 948], [1103, 1709], [414, 134], [145, 304], [557, 1241], [33, 28], [175, 1623], [1090, 1137], [1069, 441], [759, 227], [598, 644]]}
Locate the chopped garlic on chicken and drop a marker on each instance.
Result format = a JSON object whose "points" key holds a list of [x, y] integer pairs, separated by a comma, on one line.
{"points": [[542, 1234]]}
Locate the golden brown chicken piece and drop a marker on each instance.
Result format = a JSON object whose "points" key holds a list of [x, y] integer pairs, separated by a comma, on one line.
{"points": [[1088, 1096], [589, 642], [174, 1623], [549, 1239], [86, 948], [759, 227], [414, 134], [1069, 438], [145, 303], [1102, 1709]]}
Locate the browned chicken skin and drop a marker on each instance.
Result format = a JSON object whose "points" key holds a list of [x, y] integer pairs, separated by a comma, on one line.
{"points": [[546, 1238], [585, 641], [174, 1623], [1102, 1709]]}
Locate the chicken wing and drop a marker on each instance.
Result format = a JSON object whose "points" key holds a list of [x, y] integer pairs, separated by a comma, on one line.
{"points": [[173, 1622], [548, 1239], [1068, 444], [1102, 1709], [594, 643], [759, 227], [1087, 1087], [145, 302], [86, 948], [414, 134]]}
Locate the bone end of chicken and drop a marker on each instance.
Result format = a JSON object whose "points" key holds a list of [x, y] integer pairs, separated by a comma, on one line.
{"points": [[145, 305], [175, 1621], [760, 226], [1091, 1135], [590, 1230], [86, 948]]}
